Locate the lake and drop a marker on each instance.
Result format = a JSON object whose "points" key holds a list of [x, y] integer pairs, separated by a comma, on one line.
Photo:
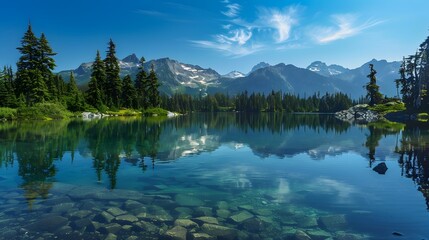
{"points": [[213, 176]]}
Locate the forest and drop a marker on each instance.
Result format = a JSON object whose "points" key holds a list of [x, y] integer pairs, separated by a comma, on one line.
{"points": [[35, 87]]}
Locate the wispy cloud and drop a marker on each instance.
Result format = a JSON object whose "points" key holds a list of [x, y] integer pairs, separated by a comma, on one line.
{"points": [[152, 13], [345, 27], [243, 38], [233, 10], [281, 21]]}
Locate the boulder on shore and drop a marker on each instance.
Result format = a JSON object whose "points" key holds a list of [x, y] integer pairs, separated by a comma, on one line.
{"points": [[359, 114]]}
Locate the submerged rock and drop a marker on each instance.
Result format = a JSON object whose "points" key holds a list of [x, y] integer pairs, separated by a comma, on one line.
{"points": [[381, 168], [241, 217], [185, 223], [48, 223], [219, 231], [104, 217], [223, 213], [126, 219], [318, 234], [333, 222], [202, 236], [301, 235], [188, 201], [116, 211], [110, 228], [253, 225], [176, 233], [202, 220]]}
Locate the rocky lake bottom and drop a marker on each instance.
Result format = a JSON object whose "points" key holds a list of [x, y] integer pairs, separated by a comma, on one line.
{"points": [[74, 212]]}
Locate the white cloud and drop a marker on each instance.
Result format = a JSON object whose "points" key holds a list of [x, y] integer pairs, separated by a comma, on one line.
{"points": [[280, 21], [230, 49], [233, 10], [345, 26], [239, 36]]}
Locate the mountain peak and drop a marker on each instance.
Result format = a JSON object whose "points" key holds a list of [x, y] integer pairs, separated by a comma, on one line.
{"points": [[131, 59], [234, 74], [259, 66], [325, 70]]}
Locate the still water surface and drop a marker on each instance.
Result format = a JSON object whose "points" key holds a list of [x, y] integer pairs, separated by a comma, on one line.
{"points": [[224, 176]]}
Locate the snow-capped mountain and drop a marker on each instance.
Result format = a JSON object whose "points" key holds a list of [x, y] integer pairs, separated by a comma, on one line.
{"points": [[259, 66], [178, 77], [325, 70], [234, 74]]}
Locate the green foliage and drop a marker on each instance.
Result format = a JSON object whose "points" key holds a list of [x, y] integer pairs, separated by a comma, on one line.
{"points": [[8, 113], [43, 111], [113, 81], [155, 112], [388, 107], [129, 94], [372, 88], [152, 90]]}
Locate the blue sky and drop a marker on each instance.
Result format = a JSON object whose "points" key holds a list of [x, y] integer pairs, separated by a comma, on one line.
{"points": [[224, 35]]}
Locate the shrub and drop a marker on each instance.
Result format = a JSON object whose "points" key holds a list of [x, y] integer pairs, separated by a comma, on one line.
{"points": [[7, 113], [155, 112], [44, 111]]}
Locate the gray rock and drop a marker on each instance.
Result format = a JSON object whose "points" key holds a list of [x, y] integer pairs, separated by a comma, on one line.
{"points": [[319, 234], [203, 211], [110, 228], [146, 226], [253, 225], [304, 221], [126, 219], [381, 168], [263, 212], [202, 236], [79, 214], [246, 207], [116, 211], [333, 222], [301, 235], [222, 205], [186, 223], [241, 216], [202, 220], [49, 223], [104, 217], [223, 213], [187, 200], [111, 236], [219, 231], [62, 207], [176, 233], [81, 223], [132, 204]]}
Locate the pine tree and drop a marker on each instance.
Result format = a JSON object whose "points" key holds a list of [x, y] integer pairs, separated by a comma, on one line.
{"points": [[99, 75], [372, 88], [141, 86], [129, 94], [113, 80], [7, 94], [75, 101], [152, 91], [93, 94], [47, 64]]}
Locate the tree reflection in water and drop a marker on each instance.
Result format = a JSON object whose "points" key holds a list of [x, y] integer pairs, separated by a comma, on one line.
{"points": [[414, 157]]}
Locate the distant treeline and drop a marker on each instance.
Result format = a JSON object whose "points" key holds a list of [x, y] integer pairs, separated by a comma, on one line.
{"points": [[34, 83], [258, 102]]}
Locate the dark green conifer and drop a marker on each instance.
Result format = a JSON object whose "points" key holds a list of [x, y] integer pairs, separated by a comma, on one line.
{"points": [[113, 79], [372, 88], [152, 91], [129, 94], [141, 86]]}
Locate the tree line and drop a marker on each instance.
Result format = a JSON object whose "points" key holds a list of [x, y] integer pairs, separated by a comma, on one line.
{"points": [[34, 82], [276, 101], [414, 79]]}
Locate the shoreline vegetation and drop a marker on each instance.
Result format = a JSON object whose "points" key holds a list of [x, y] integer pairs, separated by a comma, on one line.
{"points": [[34, 92]]}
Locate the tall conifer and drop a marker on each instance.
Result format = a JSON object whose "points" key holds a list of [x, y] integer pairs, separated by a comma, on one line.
{"points": [[113, 79]]}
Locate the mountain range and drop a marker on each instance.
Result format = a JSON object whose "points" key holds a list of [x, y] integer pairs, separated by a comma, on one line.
{"points": [[318, 77]]}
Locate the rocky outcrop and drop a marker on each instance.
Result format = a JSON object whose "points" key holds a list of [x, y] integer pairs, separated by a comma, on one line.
{"points": [[358, 114]]}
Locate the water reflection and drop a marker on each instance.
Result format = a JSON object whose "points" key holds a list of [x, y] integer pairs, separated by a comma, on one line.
{"points": [[414, 158]]}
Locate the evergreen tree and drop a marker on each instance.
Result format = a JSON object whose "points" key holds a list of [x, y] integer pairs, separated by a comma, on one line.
{"points": [[372, 88], [34, 68], [7, 94], [75, 101], [113, 80], [93, 94], [129, 94], [99, 75], [141, 86], [152, 91]]}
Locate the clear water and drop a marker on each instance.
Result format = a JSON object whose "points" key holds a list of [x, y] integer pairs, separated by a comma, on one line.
{"points": [[233, 176]]}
